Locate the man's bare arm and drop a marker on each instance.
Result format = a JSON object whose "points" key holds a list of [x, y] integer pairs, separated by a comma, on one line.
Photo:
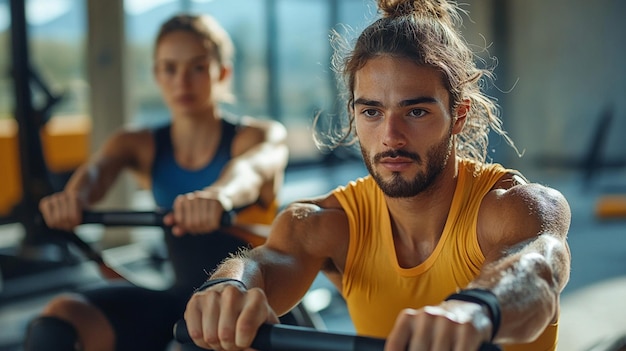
{"points": [[527, 257], [276, 276], [304, 237]]}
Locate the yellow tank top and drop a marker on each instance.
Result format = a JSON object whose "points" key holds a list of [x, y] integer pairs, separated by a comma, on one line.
{"points": [[374, 285]]}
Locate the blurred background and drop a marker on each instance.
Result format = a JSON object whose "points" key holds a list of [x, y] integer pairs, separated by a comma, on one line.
{"points": [[72, 71]]}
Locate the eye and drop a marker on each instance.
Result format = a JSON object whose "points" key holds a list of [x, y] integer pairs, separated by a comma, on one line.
{"points": [[200, 68], [370, 113], [417, 112], [168, 69]]}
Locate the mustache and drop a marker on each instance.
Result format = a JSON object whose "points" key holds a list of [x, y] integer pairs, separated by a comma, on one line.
{"points": [[398, 153]]}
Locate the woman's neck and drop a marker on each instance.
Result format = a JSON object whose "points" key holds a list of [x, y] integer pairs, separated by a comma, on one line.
{"points": [[195, 138]]}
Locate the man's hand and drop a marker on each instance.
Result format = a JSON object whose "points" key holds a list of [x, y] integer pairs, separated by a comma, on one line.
{"points": [[452, 325], [227, 316]]}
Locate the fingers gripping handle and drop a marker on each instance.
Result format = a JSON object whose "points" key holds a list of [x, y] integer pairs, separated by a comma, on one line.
{"points": [[280, 337]]}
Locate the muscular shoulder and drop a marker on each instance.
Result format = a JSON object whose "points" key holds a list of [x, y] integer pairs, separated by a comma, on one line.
{"points": [[254, 131], [318, 227], [515, 210]]}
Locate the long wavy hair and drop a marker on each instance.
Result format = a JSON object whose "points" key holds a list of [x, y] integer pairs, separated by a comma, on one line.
{"points": [[424, 31]]}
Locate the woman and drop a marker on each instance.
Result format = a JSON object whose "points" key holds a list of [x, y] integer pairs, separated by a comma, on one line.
{"points": [[200, 165]]}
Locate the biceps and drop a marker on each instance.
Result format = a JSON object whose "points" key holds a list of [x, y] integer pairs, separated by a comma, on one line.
{"points": [[513, 218]]}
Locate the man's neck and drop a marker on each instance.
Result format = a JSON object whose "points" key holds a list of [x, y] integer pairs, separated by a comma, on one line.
{"points": [[418, 222]]}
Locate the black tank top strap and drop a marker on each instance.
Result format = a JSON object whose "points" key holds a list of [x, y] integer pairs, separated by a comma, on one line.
{"points": [[162, 138]]}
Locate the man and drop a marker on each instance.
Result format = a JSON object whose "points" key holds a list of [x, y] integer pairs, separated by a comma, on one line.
{"points": [[434, 250]]}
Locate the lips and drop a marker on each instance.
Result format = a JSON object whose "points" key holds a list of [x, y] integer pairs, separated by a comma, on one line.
{"points": [[396, 164], [185, 99]]}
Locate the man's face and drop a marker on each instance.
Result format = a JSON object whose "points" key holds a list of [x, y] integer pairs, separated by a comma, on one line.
{"points": [[404, 124]]}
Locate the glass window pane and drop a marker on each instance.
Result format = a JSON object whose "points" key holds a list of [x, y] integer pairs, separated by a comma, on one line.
{"points": [[143, 20], [59, 27], [6, 83], [358, 14], [248, 32], [304, 76]]}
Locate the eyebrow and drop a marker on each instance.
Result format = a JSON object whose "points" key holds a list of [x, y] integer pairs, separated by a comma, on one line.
{"points": [[193, 59], [403, 103]]}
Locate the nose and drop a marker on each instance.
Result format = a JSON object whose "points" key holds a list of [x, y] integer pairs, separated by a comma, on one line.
{"points": [[183, 78], [394, 132]]}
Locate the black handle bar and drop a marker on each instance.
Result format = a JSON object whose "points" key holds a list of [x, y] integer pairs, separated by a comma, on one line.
{"points": [[140, 218], [125, 218], [280, 337]]}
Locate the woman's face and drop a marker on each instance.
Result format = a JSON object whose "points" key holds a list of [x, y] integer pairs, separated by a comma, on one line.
{"points": [[186, 73]]}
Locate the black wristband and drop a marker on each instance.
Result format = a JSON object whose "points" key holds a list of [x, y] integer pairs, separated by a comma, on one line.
{"points": [[209, 283], [228, 218], [484, 298]]}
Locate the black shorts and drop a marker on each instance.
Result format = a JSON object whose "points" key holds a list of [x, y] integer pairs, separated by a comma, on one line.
{"points": [[141, 318]]}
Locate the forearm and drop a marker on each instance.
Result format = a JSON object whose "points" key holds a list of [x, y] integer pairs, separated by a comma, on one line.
{"points": [[274, 273], [89, 183], [527, 284], [238, 186], [253, 176], [241, 268]]}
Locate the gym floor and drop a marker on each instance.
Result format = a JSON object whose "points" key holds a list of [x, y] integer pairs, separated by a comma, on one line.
{"points": [[593, 304]]}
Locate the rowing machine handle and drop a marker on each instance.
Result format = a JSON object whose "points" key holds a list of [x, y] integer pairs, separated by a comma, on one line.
{"points": [[140, 218], [280, 337]]}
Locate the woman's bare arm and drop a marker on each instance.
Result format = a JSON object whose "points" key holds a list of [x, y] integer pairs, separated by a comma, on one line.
{"points": [[91, 181], [257, 169]]}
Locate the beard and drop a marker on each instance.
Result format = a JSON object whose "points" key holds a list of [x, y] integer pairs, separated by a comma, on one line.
{"points": [[398, 187]]}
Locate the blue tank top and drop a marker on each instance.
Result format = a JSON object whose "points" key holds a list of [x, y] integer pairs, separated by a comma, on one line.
{"points": [[170, 180], [191, 256]]}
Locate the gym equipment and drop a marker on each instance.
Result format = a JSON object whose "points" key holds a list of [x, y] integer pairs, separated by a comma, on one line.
{"points": [[42, 262], [43, 329], [611, 207], [280, 337]]}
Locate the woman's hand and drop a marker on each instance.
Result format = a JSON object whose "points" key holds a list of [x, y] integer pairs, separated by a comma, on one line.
{"points": [[198, 212], [62, 210]]}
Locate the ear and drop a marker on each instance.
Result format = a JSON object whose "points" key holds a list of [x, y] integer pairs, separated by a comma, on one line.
{"points": [[225, 73], [351, 107], [351, 116], [461, 111]]}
